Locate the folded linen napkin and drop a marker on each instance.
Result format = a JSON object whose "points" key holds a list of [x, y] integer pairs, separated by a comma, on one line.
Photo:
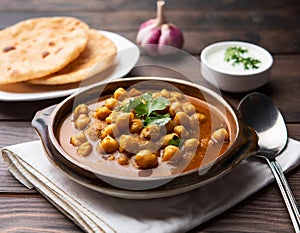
{"points": [[96, 212]]}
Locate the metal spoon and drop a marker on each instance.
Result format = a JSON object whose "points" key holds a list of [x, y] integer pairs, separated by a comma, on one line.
{"points": [[259, 112]]}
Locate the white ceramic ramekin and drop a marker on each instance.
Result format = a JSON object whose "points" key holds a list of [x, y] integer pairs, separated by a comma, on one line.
{"points": [[234, 78]]}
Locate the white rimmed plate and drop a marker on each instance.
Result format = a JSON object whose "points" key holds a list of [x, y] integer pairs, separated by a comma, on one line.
{"points": [[121, 66]]}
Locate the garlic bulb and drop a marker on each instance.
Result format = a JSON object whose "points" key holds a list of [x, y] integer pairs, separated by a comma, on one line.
{"points": [[159, 32]]}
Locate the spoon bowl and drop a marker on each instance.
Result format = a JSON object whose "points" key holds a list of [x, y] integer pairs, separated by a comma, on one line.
{"points": [[259, 112]]}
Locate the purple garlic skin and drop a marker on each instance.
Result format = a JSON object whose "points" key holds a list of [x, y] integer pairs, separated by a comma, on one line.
{"points": [[165, 36], [148, 33], [170, 36]]}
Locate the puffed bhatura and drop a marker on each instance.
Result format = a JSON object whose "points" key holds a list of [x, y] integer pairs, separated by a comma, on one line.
{"points": [[37, 47]]}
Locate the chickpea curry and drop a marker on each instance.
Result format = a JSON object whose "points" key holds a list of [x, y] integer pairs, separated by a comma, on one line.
{"points": [[146, 130]]}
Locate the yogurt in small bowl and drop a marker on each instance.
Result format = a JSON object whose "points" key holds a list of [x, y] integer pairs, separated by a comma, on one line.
{"points": [[234, 77]]}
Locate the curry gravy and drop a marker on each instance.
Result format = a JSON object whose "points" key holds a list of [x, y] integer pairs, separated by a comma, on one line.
{"points": [[207, 151]]}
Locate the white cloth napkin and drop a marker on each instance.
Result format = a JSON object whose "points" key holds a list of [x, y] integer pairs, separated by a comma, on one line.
{"points": [[96, 212]]}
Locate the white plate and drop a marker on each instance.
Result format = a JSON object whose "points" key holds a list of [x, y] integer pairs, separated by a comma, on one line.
{"points": [[122, 65]]}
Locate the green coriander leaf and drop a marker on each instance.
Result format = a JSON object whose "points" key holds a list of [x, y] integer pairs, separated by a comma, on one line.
{"points": [[157, 115], [132, 103], [236, 55], [159, 121], [159, 103], [233, 53], [147, 97], [141, 110], [145, 108]]}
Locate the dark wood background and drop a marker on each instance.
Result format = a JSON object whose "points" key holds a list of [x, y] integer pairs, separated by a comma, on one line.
{"points": [[273, 24]]}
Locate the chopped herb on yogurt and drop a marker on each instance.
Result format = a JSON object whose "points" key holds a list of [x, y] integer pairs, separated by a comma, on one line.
{"points": [[237, 55]]}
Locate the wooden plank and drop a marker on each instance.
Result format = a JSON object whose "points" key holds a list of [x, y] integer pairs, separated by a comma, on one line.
{"points": [[16, 132], [294, 131], [196, 19], [95, 5], [13, 133], [196, 38], [32, 214], [24, 110]]}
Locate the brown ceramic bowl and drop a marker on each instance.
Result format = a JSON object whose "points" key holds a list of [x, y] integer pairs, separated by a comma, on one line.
{"points": [[135, 183]]}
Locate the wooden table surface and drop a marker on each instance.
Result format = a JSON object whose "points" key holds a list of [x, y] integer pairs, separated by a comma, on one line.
{"points": [[273, 24]]}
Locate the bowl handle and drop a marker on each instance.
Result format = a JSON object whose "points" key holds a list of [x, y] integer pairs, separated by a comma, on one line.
{"points": [[40, 122]]}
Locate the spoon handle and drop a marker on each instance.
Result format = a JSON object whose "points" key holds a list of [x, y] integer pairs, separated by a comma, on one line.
{"points": [[287, 194]]}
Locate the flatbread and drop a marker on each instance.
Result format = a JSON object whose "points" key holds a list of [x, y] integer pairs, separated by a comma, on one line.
{"points": [[97, 56], [37, 47]]}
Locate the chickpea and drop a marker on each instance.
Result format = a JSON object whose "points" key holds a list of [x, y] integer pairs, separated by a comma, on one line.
{"points": [[151, 133], [136, 126], [172, 100], [156, 95], [178, 96], [112, 117], [123, 160], [109, 145], [108, 131], [109, 119], [181, 118], [165, 93], [78, 139], [80, 109], [102, 112], [94, 130], [110, 103], [220, 135], [120, 93], [189, 109], [128, 143], [199, 117], [180, 131], [174, 108], [170, 126], [169, 152], [191, 145], [146, 160], [85, 149], [124, 119], [82, 121], [134, 92]]}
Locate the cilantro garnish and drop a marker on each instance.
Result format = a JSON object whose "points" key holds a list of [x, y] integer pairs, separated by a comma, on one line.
{"points": [[145, 108], [236, 55]]}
